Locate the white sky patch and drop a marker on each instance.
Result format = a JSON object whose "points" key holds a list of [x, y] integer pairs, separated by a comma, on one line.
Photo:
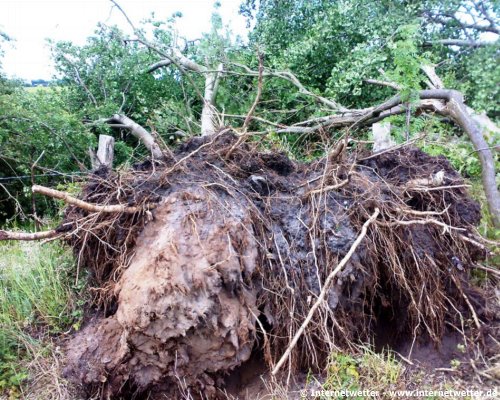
{"points": [[31, 22]]}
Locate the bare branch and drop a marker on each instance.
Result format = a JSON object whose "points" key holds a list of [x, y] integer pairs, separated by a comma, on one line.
{"points": [[248, 118], [290, 77], [484, 11], [461, 43], [383, 83], [80, 81], [257, 97], [124, 14], [67, 198]]}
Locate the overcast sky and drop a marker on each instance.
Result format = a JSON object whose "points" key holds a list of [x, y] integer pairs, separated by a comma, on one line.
{"points": [[30, 22]]}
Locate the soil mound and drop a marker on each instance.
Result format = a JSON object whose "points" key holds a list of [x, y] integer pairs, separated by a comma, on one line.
{"points": [[237, 249]]}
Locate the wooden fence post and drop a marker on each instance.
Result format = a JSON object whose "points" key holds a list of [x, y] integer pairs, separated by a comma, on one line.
{"points": [[105, 152]]}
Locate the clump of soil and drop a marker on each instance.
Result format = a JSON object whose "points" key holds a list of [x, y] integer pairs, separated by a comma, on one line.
{"points": [[237, 249], [186, 296]]}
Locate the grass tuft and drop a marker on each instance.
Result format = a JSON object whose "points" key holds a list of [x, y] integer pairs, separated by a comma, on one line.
{"points": [[368, 369], [37, 301]]}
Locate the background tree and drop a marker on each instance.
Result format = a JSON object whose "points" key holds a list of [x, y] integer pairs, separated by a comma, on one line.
{"points": [[328, 69]]}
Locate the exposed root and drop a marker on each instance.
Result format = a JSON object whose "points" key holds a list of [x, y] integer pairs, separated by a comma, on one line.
{"points": [[115, 208], [12, 235], [323, 292]]}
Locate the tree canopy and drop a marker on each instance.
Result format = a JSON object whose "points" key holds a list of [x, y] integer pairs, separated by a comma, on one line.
{"points": [[310, 70]]}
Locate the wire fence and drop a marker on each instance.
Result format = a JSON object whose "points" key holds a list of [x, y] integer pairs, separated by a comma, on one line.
{"points": [[10, 179]]}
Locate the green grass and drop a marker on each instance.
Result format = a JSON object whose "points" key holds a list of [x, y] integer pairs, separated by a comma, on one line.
{"points": [[364, 370], [37, 300]]}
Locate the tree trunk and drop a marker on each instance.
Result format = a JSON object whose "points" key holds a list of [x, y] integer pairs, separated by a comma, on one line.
{"points": [[209, 113], [458, 112]]}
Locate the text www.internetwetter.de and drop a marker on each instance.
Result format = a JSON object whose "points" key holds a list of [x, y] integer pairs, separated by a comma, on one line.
{"points": [[449, 393]]}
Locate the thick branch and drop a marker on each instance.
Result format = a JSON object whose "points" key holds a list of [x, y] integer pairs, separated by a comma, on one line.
{"points": [[175, 57], [142, 134], [186, 62], [461, 42], [67, 198], [159, 64]]}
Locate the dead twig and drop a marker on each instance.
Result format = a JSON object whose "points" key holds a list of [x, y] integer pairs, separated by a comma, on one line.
{"points": [[328, 188]]}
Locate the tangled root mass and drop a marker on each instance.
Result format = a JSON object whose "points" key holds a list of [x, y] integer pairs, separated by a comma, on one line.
{"points": [[238, 248]]}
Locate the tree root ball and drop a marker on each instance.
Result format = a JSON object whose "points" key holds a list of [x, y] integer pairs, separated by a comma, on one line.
{"points": [[241, 242]]}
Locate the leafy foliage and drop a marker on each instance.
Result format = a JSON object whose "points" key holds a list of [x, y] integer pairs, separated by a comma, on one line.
{"points": [[37, 128], [332, 47]]}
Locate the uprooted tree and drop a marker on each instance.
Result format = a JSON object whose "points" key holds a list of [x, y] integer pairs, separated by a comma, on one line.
{"points": [[219, 250], [203, 255]]}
